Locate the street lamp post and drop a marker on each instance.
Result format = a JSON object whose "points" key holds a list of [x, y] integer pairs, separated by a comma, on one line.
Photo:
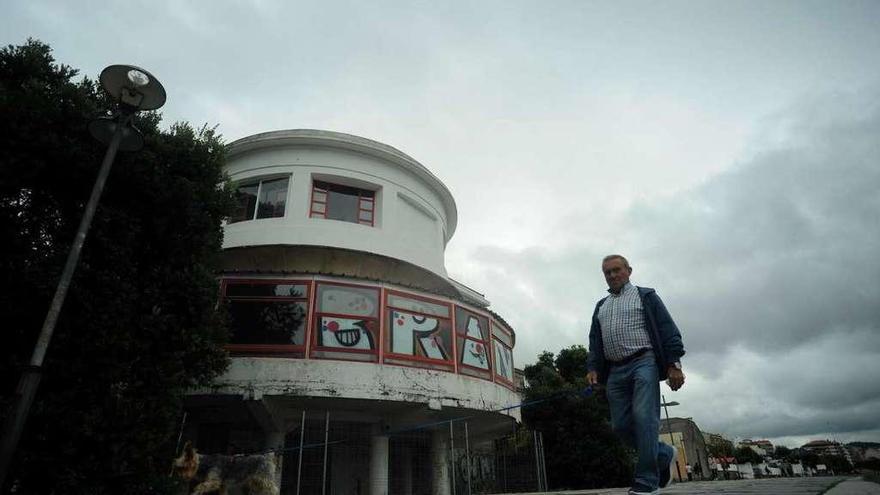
{"points": [[133, 89], [669, 429]]}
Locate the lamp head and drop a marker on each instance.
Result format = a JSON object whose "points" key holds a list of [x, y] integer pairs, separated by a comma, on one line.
{"points": [[133, 87]]}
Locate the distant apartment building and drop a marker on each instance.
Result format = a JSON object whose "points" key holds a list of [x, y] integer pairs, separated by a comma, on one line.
{"points": [[765, 445], [827, 448], [863, 451], [691, 445], [716, 442]]}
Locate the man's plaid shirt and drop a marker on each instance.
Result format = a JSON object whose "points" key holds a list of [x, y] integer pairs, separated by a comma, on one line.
{"points": [[622, 319]]}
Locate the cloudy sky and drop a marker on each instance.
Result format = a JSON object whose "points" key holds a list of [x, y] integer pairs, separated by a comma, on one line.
{"points": [[730, 149]]}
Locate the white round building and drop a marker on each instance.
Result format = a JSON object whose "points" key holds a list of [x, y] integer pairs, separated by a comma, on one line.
{"points": [[352, 350]]}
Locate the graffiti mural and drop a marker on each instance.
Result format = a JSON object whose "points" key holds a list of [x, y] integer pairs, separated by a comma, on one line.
{"points": [[473, 353], [346, 333], [347, 317], [503, 361], [347, 301], [417, 335]]}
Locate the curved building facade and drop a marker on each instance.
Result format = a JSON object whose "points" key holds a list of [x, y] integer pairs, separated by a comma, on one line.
{"points": [[344, 321]]}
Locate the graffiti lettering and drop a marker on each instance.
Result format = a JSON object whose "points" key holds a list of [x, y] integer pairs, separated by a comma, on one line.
{"points": [[474, 353], [407, 330]]}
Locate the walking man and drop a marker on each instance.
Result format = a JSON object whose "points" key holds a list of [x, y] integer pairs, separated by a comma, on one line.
{"points": [[634, 344]]}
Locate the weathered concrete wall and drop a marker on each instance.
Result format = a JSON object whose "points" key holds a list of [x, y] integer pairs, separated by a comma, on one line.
{"points": [[253, 377]]}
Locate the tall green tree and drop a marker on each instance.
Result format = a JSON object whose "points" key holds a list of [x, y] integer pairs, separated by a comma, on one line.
{"points": [[745, 454], [139, 325], [782, 452], [720, 449], [581, 450]]}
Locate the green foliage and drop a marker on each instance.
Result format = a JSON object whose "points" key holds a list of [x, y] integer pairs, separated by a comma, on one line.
{"points": [[581, 451], [782, 452], [808, 458], [139, 325], [835, 463], [720, 449], [745, 454], [869, 464]]}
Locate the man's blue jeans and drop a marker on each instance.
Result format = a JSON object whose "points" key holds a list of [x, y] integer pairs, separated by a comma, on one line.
{"points": [[633, 392]]}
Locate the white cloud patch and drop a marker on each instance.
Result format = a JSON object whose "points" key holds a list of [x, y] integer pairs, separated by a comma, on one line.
{"points": [[770, 269]]}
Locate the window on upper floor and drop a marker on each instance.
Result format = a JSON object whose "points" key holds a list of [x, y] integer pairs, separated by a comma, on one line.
{"points": [[264, 198], [346, 203]]}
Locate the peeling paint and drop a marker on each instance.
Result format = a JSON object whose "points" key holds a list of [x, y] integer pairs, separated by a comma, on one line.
{"points": [[253, 377]]}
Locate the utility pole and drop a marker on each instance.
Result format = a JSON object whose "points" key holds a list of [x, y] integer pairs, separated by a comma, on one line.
{"points": [[669, 429]]}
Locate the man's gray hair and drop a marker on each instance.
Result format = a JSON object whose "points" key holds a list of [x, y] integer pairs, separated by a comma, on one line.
{"points": [[616, 257]]}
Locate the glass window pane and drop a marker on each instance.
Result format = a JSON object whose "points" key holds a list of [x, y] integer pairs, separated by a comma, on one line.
{"points": [[246, 201], [345, 202], [341, 206], [418, 306], [273, 196], [473, 353], [345, 300], [319, 207], [502, 335], [346, 333], [319, 196], [366, 216], [473, 333], [503, 361], [267, 322], [420, 336], [252, 289], [471, 324]]}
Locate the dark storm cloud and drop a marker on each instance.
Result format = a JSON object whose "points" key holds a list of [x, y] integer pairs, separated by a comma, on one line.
{"points": [[771, 270], [782, 250], [772, 424]]}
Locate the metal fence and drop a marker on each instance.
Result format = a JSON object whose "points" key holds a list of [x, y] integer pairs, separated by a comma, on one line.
{"points": [[325, 456]]}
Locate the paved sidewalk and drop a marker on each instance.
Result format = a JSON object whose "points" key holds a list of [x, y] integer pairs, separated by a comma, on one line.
{"points": [[855, 486], [774, 486]]}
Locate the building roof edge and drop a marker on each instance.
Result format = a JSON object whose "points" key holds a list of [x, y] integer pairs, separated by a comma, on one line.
{"points": [[332, 139]]}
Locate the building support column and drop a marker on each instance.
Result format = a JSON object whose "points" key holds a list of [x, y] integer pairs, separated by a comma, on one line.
{"points": [[440, 463], [378, 463], [406, 467]]}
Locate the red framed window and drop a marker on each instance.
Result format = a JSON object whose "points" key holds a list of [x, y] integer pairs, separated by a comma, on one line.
{"points": [[502, 347], [346, 203], [267, 315], [472, 339], [418, 332], [346, 322]]}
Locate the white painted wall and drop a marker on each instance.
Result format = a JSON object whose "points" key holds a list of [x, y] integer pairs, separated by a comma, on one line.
{"points": [[415, 214]]}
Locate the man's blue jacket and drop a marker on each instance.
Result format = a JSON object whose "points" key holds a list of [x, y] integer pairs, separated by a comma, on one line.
{"points": [[665, 337]]}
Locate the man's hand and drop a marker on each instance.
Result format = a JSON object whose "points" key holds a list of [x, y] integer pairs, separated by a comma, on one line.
{"points": [[592, 378], [674, 378]]}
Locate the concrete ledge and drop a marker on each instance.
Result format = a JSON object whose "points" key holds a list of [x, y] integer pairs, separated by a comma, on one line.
{"points": [[253, 377]]}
